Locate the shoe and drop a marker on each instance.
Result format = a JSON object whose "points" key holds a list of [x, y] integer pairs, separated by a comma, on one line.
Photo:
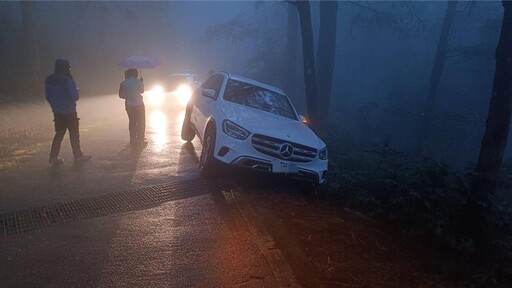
{"points": [[83, 158], [56, 161]]}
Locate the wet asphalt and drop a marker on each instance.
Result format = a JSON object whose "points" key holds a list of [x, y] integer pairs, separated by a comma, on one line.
{"points": [[198, 241], [114, 166]]}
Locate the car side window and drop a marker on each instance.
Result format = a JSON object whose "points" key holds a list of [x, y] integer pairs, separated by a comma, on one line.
{"points": [[207, 83], [217, 84]]}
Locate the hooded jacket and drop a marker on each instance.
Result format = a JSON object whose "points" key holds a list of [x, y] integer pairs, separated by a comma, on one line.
{"points": [[60, 89]]}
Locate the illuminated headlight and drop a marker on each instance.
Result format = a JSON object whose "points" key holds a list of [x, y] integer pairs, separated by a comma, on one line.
{"points": [[184, 90], [184, 93], [157, 90], [234, 130], [322, 154], [156, 95]]}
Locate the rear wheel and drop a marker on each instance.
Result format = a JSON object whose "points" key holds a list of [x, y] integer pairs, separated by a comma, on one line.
{"points": [[207, 162], [187, 133]]}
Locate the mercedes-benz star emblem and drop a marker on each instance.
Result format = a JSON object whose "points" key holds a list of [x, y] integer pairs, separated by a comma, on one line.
{"points": [[286, 150]]}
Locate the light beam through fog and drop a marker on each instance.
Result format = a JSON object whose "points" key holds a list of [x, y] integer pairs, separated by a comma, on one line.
{"points": [[158, 129]]}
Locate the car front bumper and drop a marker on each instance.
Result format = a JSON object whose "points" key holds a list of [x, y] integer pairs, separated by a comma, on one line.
{"points": [[242, 153]]}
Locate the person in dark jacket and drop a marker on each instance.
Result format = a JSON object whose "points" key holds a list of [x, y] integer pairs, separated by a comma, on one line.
{"points": [[62, 94], [131, 90]]}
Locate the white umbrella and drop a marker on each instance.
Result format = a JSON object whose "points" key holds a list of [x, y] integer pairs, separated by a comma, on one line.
{"points": [[139, 62]]}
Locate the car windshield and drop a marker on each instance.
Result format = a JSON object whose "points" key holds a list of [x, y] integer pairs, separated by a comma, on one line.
{"points": [[260, 98]]}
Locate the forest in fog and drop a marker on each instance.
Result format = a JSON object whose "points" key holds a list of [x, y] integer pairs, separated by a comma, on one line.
{"points": [[382, 62], [412, 98]]}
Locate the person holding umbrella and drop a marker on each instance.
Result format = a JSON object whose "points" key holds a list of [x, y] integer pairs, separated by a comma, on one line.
{"points": [[131, 90]]}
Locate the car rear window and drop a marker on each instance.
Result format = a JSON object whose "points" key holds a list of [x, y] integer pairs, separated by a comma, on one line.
{"points": [[260, 98]]}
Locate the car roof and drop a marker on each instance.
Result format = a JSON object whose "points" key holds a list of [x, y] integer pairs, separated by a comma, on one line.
{"points": [[254, 82]]}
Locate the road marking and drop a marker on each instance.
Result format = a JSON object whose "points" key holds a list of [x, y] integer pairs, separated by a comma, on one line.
{"points": [[281, 269]]}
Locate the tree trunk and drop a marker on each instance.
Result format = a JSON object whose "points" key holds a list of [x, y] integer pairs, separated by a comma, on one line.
{"points": [[326, 57], [290, 67], [435, 75], [308, 56], [500, 107], [30, 76], [80, 8], [495, 137]]}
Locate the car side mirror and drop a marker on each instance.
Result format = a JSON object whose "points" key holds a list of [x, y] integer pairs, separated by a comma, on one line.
{"points": [[303, 119], [210, 93]]}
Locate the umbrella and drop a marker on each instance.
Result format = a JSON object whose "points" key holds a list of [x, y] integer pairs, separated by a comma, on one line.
{"points": [[139, 62]]}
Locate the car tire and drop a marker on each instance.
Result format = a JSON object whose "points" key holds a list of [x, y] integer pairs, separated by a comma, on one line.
{"points": [[207, 162], [187, 133]]}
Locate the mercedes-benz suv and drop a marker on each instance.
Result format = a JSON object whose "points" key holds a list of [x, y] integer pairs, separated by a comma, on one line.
{"points": [[243, 122]]}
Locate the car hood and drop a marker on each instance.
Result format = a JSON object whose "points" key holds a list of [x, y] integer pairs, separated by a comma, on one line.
{"points": [[269, 124]]}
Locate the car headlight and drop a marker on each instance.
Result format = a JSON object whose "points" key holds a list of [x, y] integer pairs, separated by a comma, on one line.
{"points": [[234, 130], [322, 154], [156, 95]]}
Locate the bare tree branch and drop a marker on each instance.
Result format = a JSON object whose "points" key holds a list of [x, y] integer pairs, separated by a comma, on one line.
{"points": [[407, 22], [236, 30]]}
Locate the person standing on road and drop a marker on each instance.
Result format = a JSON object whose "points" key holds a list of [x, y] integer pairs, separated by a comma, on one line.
{"points": [[62, 94], [131, 90]]}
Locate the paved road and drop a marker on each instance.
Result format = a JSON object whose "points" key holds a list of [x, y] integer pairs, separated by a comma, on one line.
{"points": [[198, 241], [104, 134]]}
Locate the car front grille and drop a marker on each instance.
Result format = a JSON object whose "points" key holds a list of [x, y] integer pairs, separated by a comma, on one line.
{"points": [[274, 146]]}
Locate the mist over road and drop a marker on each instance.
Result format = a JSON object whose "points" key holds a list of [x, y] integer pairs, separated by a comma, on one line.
{"points": [[28, 180], [196, 239]]}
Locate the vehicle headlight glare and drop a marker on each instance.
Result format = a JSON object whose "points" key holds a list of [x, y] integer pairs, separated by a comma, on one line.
{"points": [[156, 95], [322, 154], [184, 93], [234, 130]]}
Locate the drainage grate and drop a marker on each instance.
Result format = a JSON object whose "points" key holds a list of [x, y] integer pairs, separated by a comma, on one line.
{"points": [[38, 218]]}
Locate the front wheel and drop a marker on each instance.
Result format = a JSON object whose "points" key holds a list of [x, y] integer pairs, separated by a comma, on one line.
{"points": [[207, 161], [187, 133]]}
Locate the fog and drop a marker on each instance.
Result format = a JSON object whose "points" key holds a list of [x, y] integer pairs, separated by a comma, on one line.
{"points": [[383, 59]]}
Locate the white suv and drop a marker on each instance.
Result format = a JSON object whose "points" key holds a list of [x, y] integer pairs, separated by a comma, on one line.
{"points": [[247, 123]]}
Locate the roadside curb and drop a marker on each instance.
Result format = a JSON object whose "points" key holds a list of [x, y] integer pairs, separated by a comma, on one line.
{"points": [[281, 269]]}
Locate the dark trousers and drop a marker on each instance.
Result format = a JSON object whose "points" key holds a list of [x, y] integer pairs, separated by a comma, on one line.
{"points": [[137, 123], [65, 122]]}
